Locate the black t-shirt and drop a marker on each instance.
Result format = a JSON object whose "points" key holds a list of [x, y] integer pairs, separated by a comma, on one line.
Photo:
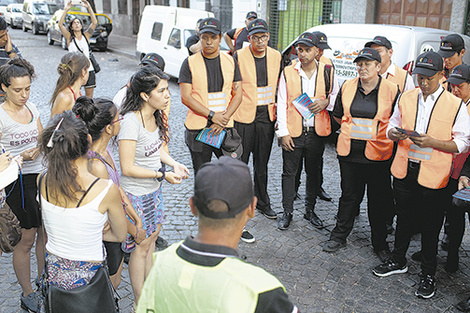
{"points": [[261, 70], [242, 37], [215, 80], [362, 106], [194, 39]]}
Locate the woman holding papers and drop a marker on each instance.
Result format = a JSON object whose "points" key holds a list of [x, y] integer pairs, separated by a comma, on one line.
{"points": [[363, 108], [143, 131]]}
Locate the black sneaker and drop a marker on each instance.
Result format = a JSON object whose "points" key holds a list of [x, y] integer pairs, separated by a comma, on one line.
{"points": [[389, 268], [427, 287], [247, 237]]}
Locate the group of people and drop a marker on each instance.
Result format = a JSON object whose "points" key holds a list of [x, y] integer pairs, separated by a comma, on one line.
{"points": [[407, 145]]}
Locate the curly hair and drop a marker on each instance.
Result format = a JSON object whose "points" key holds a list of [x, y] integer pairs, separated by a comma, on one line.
{"points": [[145, 80]]}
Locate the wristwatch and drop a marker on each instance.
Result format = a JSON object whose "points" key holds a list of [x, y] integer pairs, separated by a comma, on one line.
{"points": [[160, 170], [210, 116], [10, 52]]}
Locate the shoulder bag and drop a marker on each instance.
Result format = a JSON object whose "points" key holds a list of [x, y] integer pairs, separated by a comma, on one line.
{"points": [[10, 229], [93, 61]]}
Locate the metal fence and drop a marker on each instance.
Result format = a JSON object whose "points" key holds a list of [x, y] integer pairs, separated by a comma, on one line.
{"points": [[289, 18]]}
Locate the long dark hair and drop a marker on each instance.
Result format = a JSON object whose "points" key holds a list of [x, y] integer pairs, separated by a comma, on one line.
{"points": [[70, 68], [18, 67], [145, 80], [62, 144], [69, 27], [96, 113]]}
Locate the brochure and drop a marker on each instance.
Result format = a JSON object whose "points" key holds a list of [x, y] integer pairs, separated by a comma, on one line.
{"points": [[463, 194], [302, 103], [212, 139]]}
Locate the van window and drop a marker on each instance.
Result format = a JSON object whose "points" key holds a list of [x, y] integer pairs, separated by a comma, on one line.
{"points": [[157, 31], [44, 8], [175, 38]]}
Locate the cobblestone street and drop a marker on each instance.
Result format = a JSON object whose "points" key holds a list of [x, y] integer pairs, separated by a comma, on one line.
{"points": [[316, 281]]}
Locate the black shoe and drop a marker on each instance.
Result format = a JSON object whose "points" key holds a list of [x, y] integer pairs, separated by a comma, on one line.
{"points": [[284, 222], [427, 286], [464, 305], [247, 237], [384, 255], [161, 243], [323, 195], [314, 219], [389, 268], [333, 246], [268, 212], [445, 242], [417, 256]]}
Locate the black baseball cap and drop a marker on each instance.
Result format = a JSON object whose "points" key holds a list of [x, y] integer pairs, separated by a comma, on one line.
{"points": [[153, 59], [251, 14], [225, 179], [379, 41], [368, 54], [460, 74], [450, 45], [211, 25], [308, 39], [257, 26], [428, 64], [322, 40]]}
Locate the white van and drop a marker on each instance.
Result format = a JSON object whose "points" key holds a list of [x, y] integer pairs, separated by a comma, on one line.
{"points": [[346, 40], [164, 30]]}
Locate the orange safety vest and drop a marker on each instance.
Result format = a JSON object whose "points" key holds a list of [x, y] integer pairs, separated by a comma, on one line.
{"points": [[436, 165], [252, 94], [399, 78], [459, 159], [237, 33], [215, 101], [374, 131], [294, 90]]}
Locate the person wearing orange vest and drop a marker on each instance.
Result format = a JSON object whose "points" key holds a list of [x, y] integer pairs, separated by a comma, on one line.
{"points": [[210, 86], [239, 35], [452, 49], [389, 70], [260, 67], [459, 80], [430, 125], [363, 107], [302, 138]]}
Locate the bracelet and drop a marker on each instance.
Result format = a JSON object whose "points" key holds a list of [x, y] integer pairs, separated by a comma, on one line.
{"points": [[10, 52], [211, 115], [161, 170]]}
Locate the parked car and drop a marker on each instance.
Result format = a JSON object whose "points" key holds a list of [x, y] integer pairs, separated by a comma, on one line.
{"points": [[99, 39], [36, 14], [3, 10], [14, 15], [164, 30], [346, 40]]}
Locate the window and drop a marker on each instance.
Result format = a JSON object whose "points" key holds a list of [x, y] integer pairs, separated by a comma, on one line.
{"points": [[44, 9], [106, 6], [175, 38], [122, 6], [157, 31]]}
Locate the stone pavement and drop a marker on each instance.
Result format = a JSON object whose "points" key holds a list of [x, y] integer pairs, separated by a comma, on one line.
{"points": [[316, 281]]}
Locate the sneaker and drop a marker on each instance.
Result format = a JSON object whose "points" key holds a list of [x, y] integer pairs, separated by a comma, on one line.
{"points": [[427, 287], [333, 246], [30, 303], [389, 268], [247, 237]]}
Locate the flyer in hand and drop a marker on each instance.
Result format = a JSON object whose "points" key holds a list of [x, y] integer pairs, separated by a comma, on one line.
{"points": [[302, 103], [463, 194], [212, 139]]}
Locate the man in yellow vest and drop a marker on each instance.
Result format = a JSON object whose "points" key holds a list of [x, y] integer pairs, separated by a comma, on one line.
{"points": [[239, 35], [430, 125], [210, 85], [302, 138], [452, 49], [389, 70], [204, 273], [260, 67]]}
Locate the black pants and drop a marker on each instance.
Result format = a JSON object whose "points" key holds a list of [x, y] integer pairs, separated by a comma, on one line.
{"points": [[456, 224], [420, 208], [354, 178], [200, 152], [311, 147], [257, 139]]}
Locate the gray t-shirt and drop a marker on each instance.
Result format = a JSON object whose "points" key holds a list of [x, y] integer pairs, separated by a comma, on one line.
{"points": [[147, 154]]}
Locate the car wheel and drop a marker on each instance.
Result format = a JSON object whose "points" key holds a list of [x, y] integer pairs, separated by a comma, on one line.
{"points": [[24, 28], [50, 41], [34, 29], [63, 43]]}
